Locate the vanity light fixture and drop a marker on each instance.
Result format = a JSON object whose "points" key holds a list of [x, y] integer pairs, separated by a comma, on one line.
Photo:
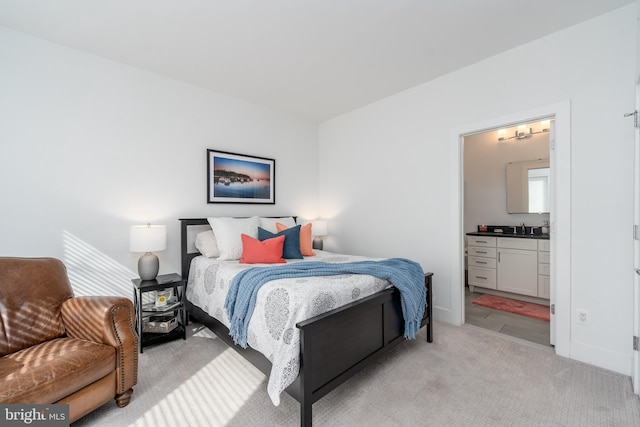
{"points": [[523, 132]]}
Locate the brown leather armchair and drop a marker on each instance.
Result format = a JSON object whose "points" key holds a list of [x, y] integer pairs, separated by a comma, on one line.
{"points": [[57, 348]]}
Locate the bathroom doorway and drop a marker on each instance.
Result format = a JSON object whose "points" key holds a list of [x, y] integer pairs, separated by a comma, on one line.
{"points": [[560, 262], [506, 207]]}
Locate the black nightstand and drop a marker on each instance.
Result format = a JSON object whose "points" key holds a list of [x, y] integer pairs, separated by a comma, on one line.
{"points": [[160, 315]]}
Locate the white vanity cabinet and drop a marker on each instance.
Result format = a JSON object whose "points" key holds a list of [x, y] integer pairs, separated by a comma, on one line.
{"points": [[481, 261], [544, 269], [509, 264], [518, 266]]}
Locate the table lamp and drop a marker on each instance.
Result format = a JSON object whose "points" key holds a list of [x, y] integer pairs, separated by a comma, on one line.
{"points": [[148, 238], [318, 229]]}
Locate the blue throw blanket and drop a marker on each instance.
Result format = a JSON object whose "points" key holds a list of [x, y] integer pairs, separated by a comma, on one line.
{"points": [[404, 274]]}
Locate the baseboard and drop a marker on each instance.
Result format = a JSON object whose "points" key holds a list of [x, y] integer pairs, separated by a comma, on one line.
{"points": [[617, 362], [443, 315]]}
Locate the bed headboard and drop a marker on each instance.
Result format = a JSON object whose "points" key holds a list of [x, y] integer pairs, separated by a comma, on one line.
{"points": [[189, 228]]}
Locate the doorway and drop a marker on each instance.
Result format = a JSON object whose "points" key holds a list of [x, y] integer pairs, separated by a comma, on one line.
{"points": [[506, 176], [560, 218]]}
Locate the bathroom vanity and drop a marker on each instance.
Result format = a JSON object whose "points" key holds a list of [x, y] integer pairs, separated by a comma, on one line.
{"points": [[517, 263]]}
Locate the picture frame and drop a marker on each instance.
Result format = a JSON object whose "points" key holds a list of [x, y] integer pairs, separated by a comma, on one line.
{"points": [[240, 178]]}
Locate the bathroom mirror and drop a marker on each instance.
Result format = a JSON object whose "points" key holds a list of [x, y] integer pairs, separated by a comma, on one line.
{"points": [[528, 186]]}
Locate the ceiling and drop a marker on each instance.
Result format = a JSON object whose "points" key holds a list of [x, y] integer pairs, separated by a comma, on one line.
{"points": [[314, 59]]}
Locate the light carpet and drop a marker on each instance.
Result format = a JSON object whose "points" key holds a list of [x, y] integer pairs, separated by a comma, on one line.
{"points": [[466, 377]]}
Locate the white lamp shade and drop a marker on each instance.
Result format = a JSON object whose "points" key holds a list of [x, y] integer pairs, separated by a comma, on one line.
{"points": [[147, 238], [319, 228]]}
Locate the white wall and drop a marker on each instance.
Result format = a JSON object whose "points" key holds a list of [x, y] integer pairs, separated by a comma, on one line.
{"points": [[89, 147], [385, 169], [485, 178]]}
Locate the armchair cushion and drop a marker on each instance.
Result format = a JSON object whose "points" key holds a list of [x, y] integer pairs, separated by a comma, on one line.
{"points": [[32, 377]]}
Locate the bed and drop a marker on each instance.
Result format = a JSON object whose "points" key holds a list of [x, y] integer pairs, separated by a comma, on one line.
{"points": [[333, 345]]}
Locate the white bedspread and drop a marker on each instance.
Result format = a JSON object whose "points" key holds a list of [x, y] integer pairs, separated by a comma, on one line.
{"points": [[280, 305]]}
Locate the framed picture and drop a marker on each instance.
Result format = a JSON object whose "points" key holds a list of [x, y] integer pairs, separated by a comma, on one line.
{"points": [[239, 178]]}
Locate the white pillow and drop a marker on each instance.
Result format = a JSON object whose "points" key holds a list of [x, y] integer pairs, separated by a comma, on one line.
{"points": [[269, 224], [207, 245], [227, 232]]}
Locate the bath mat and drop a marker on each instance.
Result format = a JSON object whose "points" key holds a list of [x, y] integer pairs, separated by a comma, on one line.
{"points": [[528, 309]]}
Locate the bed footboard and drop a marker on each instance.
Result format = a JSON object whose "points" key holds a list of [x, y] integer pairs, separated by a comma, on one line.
{"points": [[336, 345]]}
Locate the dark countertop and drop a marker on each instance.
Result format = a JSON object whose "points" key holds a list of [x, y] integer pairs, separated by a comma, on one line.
{"points": [[518, 235]]}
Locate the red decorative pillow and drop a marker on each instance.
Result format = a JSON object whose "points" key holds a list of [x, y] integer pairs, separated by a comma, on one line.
{"points": [[267, 251], [306, 244]]}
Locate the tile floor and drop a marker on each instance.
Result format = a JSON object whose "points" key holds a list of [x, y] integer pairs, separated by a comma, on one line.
{"points": [[522, 327]]}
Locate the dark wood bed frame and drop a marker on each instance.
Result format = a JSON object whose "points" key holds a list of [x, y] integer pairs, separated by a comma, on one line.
{"points": [[333, 346]]}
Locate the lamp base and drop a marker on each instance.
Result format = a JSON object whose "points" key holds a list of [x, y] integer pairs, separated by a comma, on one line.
{"points": [[317, 243], [148, 266]]}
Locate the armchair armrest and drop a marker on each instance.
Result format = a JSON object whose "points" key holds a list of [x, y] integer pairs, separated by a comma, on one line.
{"points": [[107, 320]]}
